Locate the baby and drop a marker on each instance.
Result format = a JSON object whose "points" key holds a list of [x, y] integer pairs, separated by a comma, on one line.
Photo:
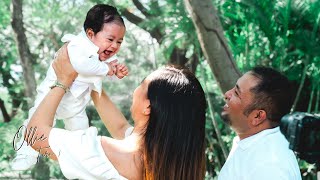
{"points": [[91, 54]]}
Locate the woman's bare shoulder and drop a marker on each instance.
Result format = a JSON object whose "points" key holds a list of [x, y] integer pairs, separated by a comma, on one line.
{"points": [[125, 155]]}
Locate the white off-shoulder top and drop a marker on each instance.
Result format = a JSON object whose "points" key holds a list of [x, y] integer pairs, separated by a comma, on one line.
{"points": [[81, 156]]}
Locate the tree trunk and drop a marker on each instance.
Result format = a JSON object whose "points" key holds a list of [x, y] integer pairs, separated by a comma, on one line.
{"points": [[311, 98], [213, 119], [316, 109], [6, 117], [213, 42], [178, 56], [15, 96], [24, 51], [303, 78]]}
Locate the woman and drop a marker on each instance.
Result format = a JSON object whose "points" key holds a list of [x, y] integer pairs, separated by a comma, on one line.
{"points": [[167, 141]]}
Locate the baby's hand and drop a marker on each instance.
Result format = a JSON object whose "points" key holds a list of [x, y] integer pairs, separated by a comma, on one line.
{"points": [[121, 71], [112, 67]]}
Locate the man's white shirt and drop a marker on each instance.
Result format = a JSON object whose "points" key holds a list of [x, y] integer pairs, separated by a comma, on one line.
{"points": [[263, 156]]}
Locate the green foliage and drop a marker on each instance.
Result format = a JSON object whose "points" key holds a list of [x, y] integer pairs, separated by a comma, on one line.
{"points": [[276, 33], [5, 15], [179, 29], [41, 170], [7, 131]]}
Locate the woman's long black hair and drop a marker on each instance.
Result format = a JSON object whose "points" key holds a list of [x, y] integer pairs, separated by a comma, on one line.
{"points": [[174, 144]]}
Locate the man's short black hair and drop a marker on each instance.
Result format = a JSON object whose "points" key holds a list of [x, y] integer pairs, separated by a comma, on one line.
{"points": [[273, 93]]}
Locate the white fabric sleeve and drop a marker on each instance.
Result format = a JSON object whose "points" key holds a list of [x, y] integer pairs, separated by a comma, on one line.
{"points": [[80, 154], [128, 131], [85, 62]]}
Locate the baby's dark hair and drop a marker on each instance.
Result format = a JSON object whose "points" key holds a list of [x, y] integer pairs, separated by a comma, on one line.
{"points": [[100, 14]]}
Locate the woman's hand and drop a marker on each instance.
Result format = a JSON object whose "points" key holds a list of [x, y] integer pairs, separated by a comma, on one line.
{"points": [[63, 67]]}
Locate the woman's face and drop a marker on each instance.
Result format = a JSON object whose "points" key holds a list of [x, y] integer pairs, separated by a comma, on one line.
{"points": [[140, 102], [140, 108]]}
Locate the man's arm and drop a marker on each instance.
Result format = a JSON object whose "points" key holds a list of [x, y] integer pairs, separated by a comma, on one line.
{"points": [[110, 115]]}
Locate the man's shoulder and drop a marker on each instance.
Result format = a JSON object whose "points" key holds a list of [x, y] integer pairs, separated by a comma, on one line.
{"points": [[266, 154], [270, 147], [274, 144]]}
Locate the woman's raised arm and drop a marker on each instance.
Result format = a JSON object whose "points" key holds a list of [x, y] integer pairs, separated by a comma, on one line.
{"points": [[41, 123], [110, 115]]}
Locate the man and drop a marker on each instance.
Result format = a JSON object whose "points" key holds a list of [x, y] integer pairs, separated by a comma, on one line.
{"points": [[253, 109]]}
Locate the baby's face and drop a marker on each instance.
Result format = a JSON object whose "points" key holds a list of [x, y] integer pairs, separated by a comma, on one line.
{"points": [[108, 40]]}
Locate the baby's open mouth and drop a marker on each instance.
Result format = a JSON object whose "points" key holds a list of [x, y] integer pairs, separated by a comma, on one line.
{"points": [[107, 52]]}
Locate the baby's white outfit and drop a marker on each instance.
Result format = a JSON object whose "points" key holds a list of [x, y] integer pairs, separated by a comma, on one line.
{"points": [[91, 71]]}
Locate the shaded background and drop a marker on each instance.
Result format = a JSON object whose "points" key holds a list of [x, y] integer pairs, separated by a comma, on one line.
{"points": [[217, 39]]}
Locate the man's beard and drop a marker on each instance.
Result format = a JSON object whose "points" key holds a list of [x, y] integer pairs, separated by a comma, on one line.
{"points": [[226, 118]]}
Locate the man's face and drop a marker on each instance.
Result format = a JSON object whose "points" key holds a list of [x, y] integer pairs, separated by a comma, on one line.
{"points": [[237, 99]]}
